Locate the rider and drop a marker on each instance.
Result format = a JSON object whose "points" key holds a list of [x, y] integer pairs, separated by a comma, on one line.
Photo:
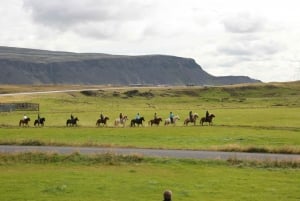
{"points": [[121, 117], [25, 117], [137, 117], [191, 116], [206, 116], [171, 117], [72, 117], [39, 118], [101, 116], [155, 116]]}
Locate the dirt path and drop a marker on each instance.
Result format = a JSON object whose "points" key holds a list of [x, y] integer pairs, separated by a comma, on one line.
{"points": [[153, 153]]}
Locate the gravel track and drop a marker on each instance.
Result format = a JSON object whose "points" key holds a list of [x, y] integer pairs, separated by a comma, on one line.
{"points": [[187, 154]]}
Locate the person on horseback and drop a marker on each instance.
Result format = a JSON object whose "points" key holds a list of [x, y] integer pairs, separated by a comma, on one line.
{"points": [[206, 116], [39, 118], [191, 116], [171, 117], [101, 116], [155, 116], [72, 117], [137, 117], [121, 117], [25, 117]]}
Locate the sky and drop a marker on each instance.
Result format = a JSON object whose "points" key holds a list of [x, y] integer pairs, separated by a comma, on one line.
{"points": [[257, 38]]}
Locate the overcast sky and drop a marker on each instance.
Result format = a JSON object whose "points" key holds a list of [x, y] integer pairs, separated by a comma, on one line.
{"points": [[257, 38]]}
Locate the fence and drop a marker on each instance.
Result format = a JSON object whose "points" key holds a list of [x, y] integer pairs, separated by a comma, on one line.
{"points": [[9, 107]]}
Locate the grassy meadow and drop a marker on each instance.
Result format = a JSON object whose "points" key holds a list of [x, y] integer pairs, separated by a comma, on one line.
{"points": [[253, 118], [257, 117], [108, 177]]}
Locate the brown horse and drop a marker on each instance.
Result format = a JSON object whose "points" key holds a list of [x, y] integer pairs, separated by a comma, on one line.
{"points": [[188, 120], [24, 122], [209, 119], [155, 121], [102, 121]]}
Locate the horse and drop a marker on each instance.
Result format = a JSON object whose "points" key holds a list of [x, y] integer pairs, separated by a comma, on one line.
{"points": [[121, 121], [188, 120], [168, 120], [209, 119], [102, 121], [72, 122], [155, 121], [39, 121], [137, 121], [24, 122]]}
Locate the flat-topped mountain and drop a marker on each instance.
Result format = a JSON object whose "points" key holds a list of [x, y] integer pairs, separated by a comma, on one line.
{"points": [[29, 66]]}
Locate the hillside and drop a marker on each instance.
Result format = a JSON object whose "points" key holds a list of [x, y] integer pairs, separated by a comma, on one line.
{"points": [[29, 66]]}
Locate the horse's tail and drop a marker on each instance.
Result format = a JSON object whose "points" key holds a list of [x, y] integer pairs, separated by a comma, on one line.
{"points": [[20, 122]]}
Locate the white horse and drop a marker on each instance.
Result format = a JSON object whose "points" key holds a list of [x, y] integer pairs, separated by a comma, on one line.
{"points": [[122, 121], [168, 120]]}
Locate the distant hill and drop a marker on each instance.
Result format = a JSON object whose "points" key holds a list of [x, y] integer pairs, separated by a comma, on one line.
{"points": [[29, 66]]}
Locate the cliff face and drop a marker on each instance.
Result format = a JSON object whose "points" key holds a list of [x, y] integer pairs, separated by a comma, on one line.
{"points": [[26, 66]]}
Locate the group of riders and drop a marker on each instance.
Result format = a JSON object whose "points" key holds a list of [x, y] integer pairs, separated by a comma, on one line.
{"points": [[137, 117]]}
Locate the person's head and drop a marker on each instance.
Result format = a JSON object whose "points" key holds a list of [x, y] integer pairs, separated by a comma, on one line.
{"points": [[167, 195]]}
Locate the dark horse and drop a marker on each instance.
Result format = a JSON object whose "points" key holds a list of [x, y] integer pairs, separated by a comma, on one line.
{"points": [[102, 121], [24, 122], [72, 122], [137, 121], [209, 119], [155, 121], [39, 122]]}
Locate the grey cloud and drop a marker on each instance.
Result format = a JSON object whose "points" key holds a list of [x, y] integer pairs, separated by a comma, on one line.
{"points": [[243, 23], [70, 13], [259, 48]]}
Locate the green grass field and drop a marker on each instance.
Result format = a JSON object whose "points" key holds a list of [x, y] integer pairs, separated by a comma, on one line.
{"points": [[262, 117], [253, 118], [108, 178]]}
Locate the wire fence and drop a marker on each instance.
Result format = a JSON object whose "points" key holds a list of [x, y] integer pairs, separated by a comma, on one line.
{"points": [[10, 107]]}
